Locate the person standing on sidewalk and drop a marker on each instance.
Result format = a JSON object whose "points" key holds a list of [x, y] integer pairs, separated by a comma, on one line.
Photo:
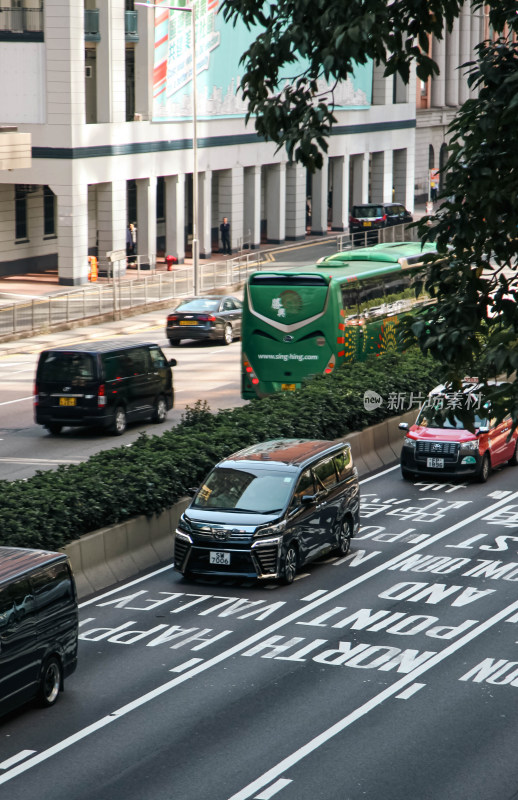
{"points": [[225, 236]]}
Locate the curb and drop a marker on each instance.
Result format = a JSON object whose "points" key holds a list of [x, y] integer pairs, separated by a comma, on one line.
{"points": [[114, 554]]}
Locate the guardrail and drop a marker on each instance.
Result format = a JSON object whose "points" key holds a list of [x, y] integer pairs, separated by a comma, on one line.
{"points": [[123, 292]]}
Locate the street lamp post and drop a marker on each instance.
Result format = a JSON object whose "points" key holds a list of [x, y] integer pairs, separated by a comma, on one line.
{"points": [[195, 242]]}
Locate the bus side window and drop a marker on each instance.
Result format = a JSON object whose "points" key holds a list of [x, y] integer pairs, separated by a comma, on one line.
{"points": [[350, 298]]}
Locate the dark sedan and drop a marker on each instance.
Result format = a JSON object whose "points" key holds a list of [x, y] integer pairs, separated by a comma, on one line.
{"points": [[213, 317]]}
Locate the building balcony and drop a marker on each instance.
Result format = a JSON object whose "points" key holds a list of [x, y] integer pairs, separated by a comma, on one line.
{"points": [[21, 24]]}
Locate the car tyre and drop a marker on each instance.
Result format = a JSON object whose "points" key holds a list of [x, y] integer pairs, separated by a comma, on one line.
{"points": [[174, 342], [119, 421], [54, 428], [289, 565], [228, 334], [406, 474], [513, 461], [51, 682], [160, 411], [344, 537], [484, 470]]}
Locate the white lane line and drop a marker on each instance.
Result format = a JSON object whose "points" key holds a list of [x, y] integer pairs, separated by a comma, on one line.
{"points": [[277, 786], [411, 690], [10, 762], [371, 704], [275, 626], [125, 586], [20, 400], [187, 665], [379, 474], [313, 596]]}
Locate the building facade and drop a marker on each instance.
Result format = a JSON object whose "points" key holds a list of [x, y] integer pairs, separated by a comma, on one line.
{"points": [[80, 77]]}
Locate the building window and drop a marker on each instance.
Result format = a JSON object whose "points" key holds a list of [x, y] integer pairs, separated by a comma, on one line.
{"points": [[49, 212], [20, 212], [160, 198], [431, 157]]}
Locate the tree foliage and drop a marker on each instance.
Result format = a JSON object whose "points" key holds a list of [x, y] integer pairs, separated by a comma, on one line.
{"points": [[322, 40]]}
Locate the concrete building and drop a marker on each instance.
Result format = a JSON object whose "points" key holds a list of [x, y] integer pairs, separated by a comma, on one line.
{"points": [[439, 99], [80, 77]]}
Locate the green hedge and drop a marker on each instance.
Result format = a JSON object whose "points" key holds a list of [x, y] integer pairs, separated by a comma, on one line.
{"points": [[54, 507]]}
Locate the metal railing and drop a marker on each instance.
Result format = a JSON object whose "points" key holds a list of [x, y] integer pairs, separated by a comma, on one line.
{"points": [[124, 291]]}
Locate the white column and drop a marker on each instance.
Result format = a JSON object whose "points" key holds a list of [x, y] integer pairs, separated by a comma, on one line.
{"points": [[381, 87], [438, 82], [205, 212], [175, 216], [252, 206], [464, 51], [111, 63], [475, 39], [340, 209], [359, 171], [276, 203], [319, 195], [111, 217], [146, 219], [144, 55], [377, 177], [295, 201], [65, 62], [72, 230], [388, 176], [230, 203], [452, 62]]}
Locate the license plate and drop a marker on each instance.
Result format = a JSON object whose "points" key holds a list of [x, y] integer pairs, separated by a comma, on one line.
{"points": [[367, 224], [188, 322], [67, 401], [437, 463], [288, 387], [219, 557]]}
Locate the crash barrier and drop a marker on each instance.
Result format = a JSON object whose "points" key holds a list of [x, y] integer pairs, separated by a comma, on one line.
{"points": [[127, 289], [120, 552]]}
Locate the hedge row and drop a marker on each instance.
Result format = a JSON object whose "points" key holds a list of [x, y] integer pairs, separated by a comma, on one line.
{"points": [[54, 507]]}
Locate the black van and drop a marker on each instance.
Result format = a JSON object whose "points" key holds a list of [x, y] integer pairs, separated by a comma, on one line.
{"points": [[38, 626], [267, 510], [103, 384]]}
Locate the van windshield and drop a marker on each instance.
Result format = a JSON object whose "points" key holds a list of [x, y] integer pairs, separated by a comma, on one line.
{"points": [[367, 211], [253, 491], [68, 367]]}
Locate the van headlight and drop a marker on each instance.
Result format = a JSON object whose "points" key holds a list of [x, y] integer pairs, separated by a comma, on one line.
{"points": [[270, 530], [183, 525]]}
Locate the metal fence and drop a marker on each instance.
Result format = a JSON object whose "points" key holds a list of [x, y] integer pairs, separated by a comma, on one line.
{"points": [[123, 292]]}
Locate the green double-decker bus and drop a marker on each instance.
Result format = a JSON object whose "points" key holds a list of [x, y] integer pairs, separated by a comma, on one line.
{"points": [[302, 322]]}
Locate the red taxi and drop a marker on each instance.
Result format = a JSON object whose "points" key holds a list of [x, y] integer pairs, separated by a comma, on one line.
{"points": [[439, 444]]}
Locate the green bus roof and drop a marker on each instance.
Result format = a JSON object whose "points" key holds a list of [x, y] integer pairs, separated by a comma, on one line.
{"points": [[367, 262]]}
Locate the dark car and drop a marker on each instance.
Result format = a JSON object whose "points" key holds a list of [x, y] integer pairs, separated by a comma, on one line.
{"points": [[370, 217], [267, 510], [440, 445], [212, 317], [102, 384]]}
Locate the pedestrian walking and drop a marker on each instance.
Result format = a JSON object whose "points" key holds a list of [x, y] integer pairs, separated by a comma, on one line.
{"points": [[225, 236], [433, 191], [129, 241]]}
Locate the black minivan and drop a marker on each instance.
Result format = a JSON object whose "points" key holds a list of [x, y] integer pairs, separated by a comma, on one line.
{"points": [[267, 510], [38, 626], [105, 384]]}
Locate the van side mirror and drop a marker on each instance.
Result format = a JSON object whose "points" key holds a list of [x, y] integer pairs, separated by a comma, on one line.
{"points": [[191, 491], [307, 499], [403, 426], [172, 362]]}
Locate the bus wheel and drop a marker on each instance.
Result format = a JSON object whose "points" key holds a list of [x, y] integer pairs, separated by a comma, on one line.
{"points": [[50, 682]]}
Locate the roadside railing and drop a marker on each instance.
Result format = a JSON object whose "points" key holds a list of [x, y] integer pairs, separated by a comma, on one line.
{"points": [[125, 290]]}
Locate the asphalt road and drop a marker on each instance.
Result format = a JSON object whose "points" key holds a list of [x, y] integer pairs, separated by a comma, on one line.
{"points": [[387, 675], [208, 372]]}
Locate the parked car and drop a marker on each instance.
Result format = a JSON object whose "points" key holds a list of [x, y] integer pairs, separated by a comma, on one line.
{"points": [[370, 217], [211, 317], [439, 444], [104, 384], [267, 510], [38, 626]]}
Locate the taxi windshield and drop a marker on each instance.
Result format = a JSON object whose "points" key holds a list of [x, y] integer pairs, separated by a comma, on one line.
{"points": [[436, 417]]}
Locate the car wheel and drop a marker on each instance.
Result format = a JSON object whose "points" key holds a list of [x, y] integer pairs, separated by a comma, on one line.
{"points": [[344, 537], [174, 342], [50, 682], [119, 422], [228, 334], [289, 565], [160, 412], [513, 461], [54, 428], [406, 474], [485, 469]]}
